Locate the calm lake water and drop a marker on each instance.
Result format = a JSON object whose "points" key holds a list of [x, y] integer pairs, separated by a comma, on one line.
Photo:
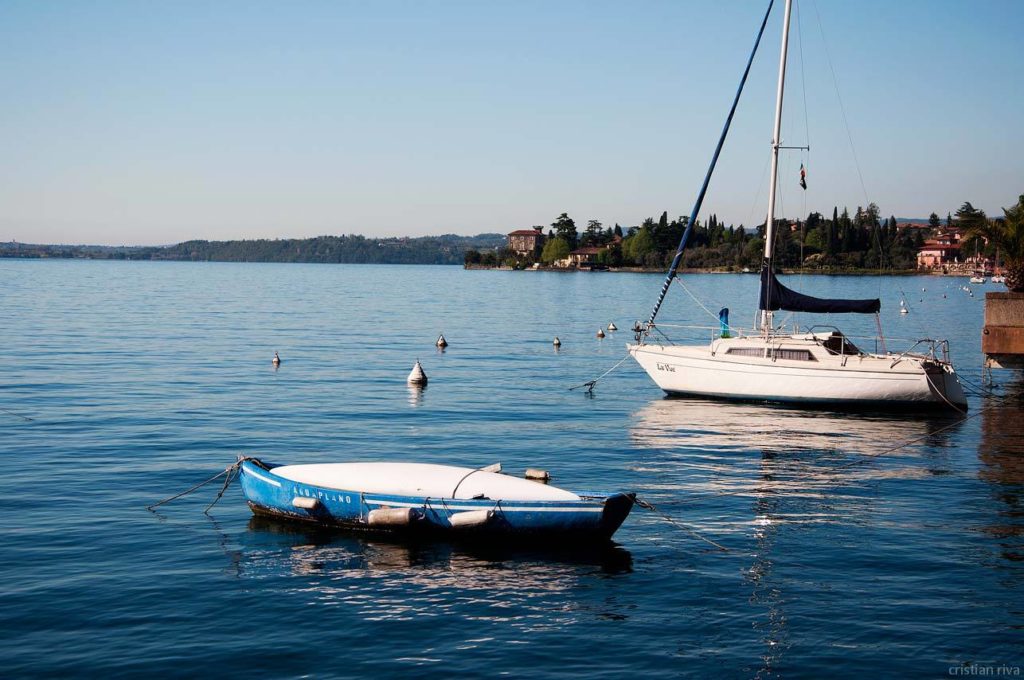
{"points": [[142, 379]]}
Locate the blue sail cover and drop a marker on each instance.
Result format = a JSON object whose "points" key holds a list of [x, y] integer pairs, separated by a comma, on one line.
{"points": [[780, 297]]}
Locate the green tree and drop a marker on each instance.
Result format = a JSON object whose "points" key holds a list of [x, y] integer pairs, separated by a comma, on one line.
{"points": [[934, 222], [635, 248], [1007, 234], [565, 229], [594, 234], [555, 249]]}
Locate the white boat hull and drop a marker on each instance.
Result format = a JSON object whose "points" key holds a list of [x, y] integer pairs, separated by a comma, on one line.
{"points": [[825, 378]]}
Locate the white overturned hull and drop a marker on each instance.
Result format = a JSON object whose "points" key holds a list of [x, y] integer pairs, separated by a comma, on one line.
{"points": [[731, 369]]}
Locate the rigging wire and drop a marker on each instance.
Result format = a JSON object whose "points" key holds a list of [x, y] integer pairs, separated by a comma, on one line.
{"points": [[803, 85], [711, 169], [842, 109]]}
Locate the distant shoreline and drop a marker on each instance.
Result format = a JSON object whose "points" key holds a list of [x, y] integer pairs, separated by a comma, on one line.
{"points": [[480, 267], [714, 270]]}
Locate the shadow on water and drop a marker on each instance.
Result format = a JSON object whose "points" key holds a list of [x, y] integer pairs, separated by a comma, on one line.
{"points": [[313, 547]]}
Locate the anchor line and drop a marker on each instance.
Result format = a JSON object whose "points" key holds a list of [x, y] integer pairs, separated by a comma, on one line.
{"points": [[229, 471], [939, 392], [679, 525], [16, 415], [232, 475], [591, 383]]}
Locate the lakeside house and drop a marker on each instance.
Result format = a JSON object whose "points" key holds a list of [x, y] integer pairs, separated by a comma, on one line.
{"points": [[583, 257], [527, 241], [944, 253], [586, 257], [940, 252]]}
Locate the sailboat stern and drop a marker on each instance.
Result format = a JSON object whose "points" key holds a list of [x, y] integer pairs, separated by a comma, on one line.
{"points": [[944, 384]]}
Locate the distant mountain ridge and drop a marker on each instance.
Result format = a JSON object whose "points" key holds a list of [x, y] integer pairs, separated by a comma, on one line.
{"points": [[352, 249]]}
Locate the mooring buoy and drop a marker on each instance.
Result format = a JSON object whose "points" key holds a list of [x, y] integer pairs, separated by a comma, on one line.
{"points": [[417, 376], [612, 327], [277, 359], [441, 342], [600, 333], [556, 342]]}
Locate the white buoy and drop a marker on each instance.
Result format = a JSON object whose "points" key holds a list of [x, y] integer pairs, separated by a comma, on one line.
{"points": [[537, 475], [904, 310], [417, 376], [277, 359], [612, 327], [600, 333], [556, 342], [441, 342]]}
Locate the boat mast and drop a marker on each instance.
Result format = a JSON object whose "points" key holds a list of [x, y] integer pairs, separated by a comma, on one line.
{"points": [[769, 230]]}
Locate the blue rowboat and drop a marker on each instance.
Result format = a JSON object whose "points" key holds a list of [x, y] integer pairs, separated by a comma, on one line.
{"points": [[423, 499]]}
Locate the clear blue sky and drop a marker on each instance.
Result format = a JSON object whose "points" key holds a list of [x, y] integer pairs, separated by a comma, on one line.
{"points": [[149, 123]]}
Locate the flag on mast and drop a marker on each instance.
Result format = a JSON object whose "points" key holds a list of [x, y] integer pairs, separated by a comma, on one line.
{"points": [[803, 177]]}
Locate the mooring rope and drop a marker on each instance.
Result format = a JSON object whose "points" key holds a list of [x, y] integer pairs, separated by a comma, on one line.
{"points": [[16, 415], [679, 525], [962, 411], [590, 383], [233, 473], [227, 471]]}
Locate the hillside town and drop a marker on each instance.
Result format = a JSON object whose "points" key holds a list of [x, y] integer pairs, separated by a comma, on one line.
{"points": [[844, 243]]}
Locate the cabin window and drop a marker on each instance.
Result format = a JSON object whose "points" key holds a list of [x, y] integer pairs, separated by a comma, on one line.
{"points": [[794, 354], [746, 351], [837, 344]]}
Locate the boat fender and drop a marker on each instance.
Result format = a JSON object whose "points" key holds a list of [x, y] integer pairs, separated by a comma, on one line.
{"points": [[537, 475], [493, 467], [470, 519], [305, 503], [392, 517]]}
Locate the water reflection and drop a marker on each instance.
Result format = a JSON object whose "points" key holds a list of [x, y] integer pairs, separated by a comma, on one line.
{"points": [[1001, 453], [747, 472], [705, 446], [394, 579], [416, 395]]}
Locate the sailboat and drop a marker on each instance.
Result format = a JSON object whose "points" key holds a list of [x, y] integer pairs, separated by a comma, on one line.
{"points": [[997, 276], [819, 366]]}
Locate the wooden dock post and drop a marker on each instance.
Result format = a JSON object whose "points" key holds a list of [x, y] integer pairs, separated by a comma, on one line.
{"points": [[1002, 338]]}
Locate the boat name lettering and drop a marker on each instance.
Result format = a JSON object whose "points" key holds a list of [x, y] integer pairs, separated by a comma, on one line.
{"points": [[313, 493], [666, 367]]}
